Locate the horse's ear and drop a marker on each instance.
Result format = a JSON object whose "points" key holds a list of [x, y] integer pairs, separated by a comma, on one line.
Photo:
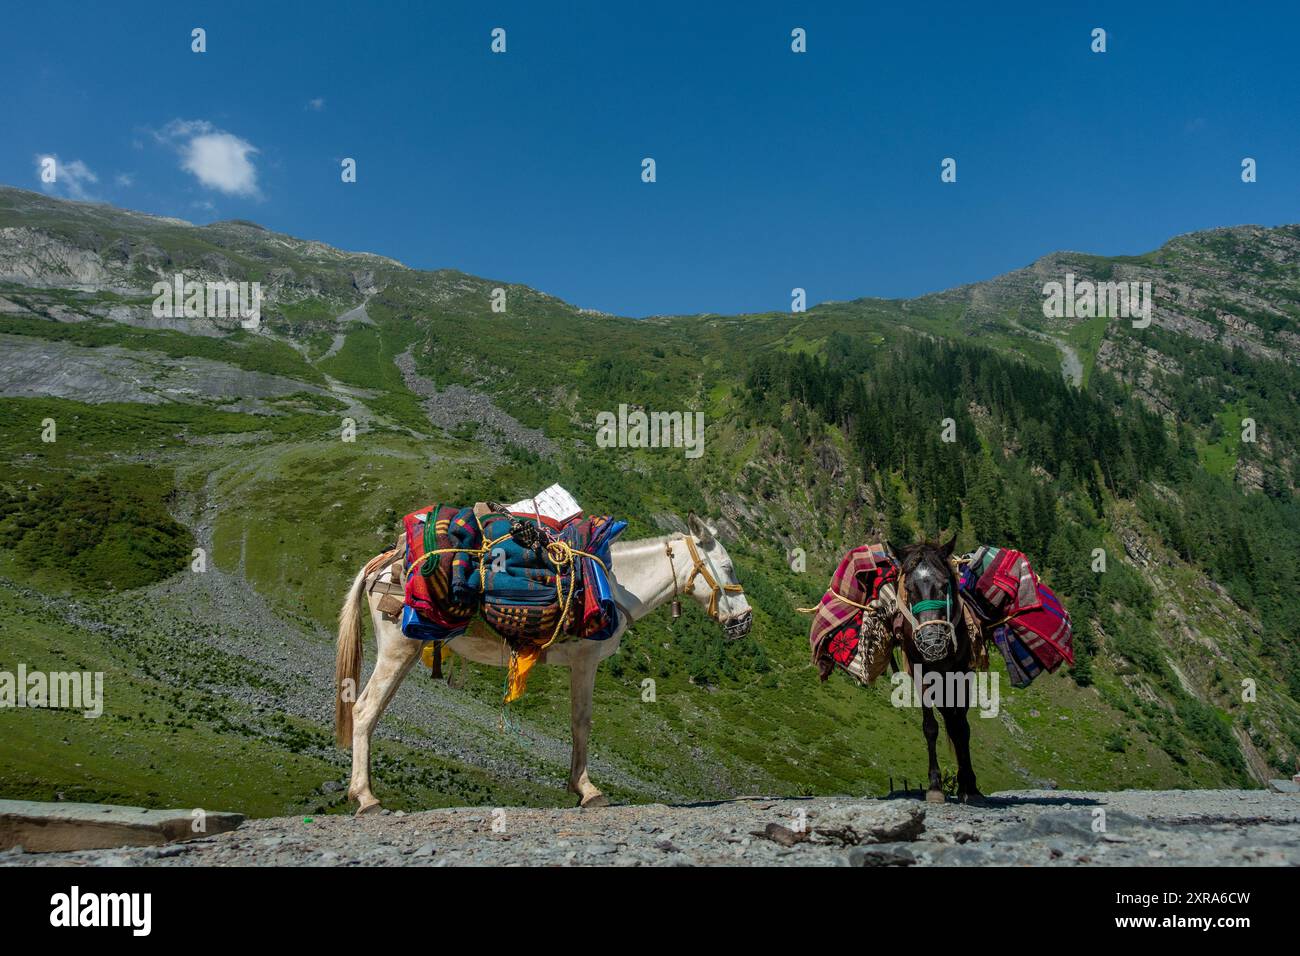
{"points": [[700, 529], [947, 549]]}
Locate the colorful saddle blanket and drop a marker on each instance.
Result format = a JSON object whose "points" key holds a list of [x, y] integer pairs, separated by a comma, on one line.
{"points": [[1022, 615], [522, 573], [1030, 626], [434, 537], [849, 629], [525, 589]]}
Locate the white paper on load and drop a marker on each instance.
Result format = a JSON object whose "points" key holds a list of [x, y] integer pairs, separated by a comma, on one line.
{"points": [[554, 503]]}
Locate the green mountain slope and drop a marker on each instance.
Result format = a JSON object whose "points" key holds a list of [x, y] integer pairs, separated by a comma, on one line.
{"points": [[823, 431]]}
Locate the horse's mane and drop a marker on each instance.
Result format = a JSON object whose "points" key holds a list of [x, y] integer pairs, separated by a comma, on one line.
{"points": [[910, 556]]}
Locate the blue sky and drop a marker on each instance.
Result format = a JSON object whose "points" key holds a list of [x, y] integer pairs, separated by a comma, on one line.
{"points": [[775, 169]]}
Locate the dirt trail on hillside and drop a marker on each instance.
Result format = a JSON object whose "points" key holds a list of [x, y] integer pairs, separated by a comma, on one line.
{"points": [[1016, 828], [1071, 364], [358, 315]]}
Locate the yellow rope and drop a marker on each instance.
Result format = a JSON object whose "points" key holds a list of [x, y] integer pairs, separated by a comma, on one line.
{"points": [[561, 555], [702, 570], [834, 594], [564, 560], [1007, 618], [561, 558]]}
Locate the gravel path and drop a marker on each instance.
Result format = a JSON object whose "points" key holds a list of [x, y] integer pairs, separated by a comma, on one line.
{"points": [[1071, 364], [360, 315], [1030, 827]]}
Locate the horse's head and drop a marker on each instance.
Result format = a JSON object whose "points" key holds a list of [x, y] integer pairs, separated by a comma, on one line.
{"points": [[928, 601], [722, 597]]}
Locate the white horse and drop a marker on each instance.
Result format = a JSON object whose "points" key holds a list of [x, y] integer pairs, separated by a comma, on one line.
{"points": [[643, 575]]}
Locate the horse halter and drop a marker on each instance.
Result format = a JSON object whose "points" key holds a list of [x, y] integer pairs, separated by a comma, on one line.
{"points": [[933, 639], [702, 570]]}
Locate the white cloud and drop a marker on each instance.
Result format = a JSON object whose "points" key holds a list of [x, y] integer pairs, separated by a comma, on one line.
{"points": [[124, 179], [316, 105], [217, 159], [70, 178]]}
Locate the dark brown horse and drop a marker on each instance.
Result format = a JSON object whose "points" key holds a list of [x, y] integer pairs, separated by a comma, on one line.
{"points": [[935, 638]]}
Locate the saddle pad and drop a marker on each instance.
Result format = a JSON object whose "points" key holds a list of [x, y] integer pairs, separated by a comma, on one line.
{"points": [[1022, 667], [1033, 629], [861, 647], [1008, 583], [857, 581], [520, 591], [509, 574], [436, 614], [1046, 630]]}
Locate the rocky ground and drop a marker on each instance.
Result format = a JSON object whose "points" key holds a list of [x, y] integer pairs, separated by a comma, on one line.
{"points": [[455, 406], [31, 367], [1016, 828]]}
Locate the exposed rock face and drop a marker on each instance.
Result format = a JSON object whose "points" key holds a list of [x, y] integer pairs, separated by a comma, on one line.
{"points": [[1235, 286], [1140, 368], [830, 461], [364, 282], [36, 258], [1249, 474], [74, 251], [31, 367], [63, 827], [1134, 547]]}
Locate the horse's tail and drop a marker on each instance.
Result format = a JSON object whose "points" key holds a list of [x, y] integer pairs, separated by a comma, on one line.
{"points": [[348, 656]]}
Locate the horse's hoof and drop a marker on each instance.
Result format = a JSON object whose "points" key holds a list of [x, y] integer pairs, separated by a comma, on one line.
{"points": [[366, 809], [594, 802], [935, 796], [974, 797]]}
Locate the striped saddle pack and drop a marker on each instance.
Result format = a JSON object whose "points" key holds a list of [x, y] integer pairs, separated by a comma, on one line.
{"points": [[1030, 626], [434, 538], [521, 583]]}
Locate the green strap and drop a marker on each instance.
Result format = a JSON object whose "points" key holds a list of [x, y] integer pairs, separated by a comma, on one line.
{"points": [[920, 606], [429, 563]]}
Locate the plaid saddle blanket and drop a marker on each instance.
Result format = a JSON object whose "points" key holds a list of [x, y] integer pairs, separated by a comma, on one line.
{"points": [[1030, 626], [851, 628], [1002, 600]]}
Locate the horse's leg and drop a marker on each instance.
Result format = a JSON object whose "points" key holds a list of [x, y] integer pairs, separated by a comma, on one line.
{"points": [[582, 683], [956, 722], [931, 728], [396, 655]]}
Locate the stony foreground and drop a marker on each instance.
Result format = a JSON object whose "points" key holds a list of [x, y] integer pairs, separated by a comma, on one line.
{"points": [[1145, 828]]}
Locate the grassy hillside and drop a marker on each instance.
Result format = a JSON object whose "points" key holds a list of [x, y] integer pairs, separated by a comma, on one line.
{"points": [[822, 433]]}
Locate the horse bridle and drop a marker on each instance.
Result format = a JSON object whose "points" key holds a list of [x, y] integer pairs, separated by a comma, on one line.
{"points": [[934, 639], [699, 569]]}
